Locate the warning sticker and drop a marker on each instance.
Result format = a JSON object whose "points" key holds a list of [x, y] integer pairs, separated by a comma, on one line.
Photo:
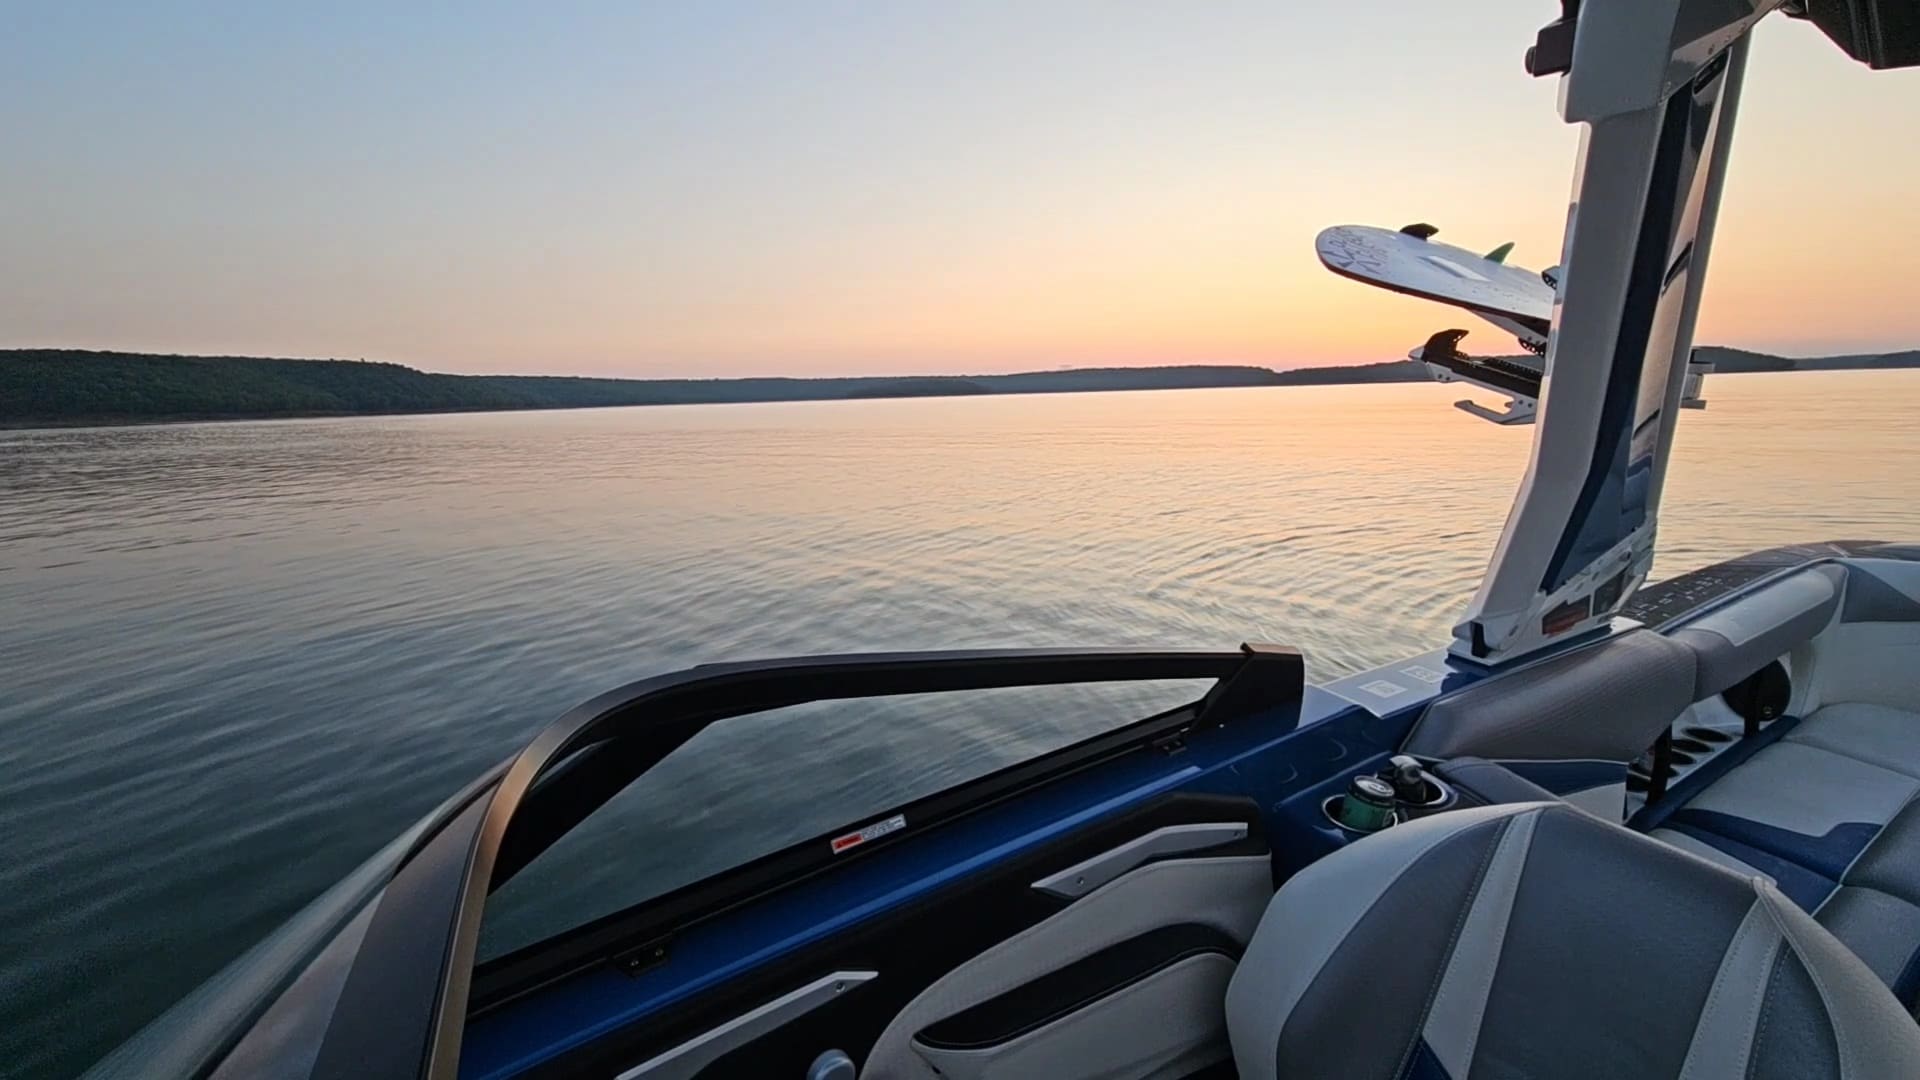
{"points": [[871, 832], [1383, 688], [1424, 674]]}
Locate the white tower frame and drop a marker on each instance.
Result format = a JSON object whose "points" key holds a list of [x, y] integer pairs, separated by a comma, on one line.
{"points": [[1657, 83]]}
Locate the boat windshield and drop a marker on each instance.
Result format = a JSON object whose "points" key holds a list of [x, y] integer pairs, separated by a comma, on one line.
{"points": [[753, 785]]}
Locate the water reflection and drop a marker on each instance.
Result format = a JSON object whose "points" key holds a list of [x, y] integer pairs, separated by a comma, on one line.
{"points": [[236, 658]]}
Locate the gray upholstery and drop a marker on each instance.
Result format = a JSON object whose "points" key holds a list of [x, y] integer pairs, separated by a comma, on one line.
{"points": [[1880, 929], [1831, 811], [1871, 663], [1695, 846], [1809, 792], [1891, 863], [1226, 892], [1485, 783], [1881, 734], [1605, 702], [1882, 592], [1536, 941], [1836, 831], [1165, 1027], [1739, 639], [1850, 633], [1838, 834]]}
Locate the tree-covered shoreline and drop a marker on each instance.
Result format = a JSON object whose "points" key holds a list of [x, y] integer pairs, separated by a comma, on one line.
{"points": [[57, 387]]}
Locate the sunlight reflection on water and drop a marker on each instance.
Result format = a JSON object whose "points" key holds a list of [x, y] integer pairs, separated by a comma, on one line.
{"points": [[239, 657]]}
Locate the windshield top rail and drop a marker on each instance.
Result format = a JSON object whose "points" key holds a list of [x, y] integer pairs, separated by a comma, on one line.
{"points": [[595, 749], [600, 746]]}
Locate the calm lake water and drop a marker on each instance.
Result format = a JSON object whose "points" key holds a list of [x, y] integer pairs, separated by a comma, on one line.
{"points": [[237, 658]]}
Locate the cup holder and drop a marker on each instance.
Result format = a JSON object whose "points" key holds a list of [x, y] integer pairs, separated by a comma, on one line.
{"points": [[1326, 809], [1436, 796]]}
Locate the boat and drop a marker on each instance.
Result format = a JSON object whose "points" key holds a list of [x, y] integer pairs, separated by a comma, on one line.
{"points": [[1604, 831]]}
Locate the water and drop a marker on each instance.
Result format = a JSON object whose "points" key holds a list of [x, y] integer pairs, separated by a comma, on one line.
{"points": [[236, 658]]}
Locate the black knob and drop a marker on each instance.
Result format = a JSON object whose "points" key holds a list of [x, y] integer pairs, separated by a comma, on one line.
{"points": [[1409, 780]]}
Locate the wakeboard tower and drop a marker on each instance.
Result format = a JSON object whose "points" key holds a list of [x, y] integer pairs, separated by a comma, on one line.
{"points": [[1519, 301]]}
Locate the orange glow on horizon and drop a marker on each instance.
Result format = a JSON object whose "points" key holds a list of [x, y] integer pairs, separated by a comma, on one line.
{"points": [[1141, 191]]}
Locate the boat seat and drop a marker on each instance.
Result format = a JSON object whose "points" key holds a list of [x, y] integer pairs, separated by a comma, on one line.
{"points": [[1825, 802], [1838, 835], [1537, 940], [1886, 736]]}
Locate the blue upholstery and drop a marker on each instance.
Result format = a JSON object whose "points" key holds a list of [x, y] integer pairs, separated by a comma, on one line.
{"points": [[1906, 985], [1423, 1065], [1536, 940], [1827, 855], [1826, 806], [1803, 886], [1838, 835]]}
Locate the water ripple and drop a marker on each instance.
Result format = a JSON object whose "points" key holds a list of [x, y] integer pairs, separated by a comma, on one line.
{"points": [[237, 658]]}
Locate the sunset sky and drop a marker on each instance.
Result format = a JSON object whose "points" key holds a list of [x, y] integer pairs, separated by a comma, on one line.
{"points": [[723, 188]]}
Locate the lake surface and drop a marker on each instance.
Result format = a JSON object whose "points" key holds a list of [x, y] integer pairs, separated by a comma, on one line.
{"points": [[235, 659]]}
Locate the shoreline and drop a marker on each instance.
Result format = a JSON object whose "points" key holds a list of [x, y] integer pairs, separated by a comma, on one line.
{"points": [[80, 423], [60, 389]]}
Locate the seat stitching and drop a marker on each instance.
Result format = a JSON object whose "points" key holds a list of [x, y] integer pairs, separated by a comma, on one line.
{"points": [[1742, 938], [1719, 983], [1820, 985], [1453, 940], [1483, 986], [1767, 1002], [1327, 966]]}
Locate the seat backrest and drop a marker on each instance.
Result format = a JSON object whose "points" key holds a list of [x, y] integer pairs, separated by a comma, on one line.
{"points": [[1871, 652], [1537, 941]]}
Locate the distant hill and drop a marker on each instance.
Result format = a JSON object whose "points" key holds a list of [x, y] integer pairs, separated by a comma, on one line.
{"points": [[71, 386], [1348, 374], [1736, 361], [75, 386]]}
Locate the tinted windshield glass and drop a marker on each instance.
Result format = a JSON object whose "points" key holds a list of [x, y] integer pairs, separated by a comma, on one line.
{"points": [[754, 784]]}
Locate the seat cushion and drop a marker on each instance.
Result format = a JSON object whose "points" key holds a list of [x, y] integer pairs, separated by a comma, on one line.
{"points": [[1536, 940], [1880, 734], [1883, 931], [1805, 804], [1837, 834], [1804, 887], [1880, 928]]}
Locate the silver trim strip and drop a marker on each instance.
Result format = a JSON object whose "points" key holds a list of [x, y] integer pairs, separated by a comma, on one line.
{"points": [[702, 1050], [1082, 878]]}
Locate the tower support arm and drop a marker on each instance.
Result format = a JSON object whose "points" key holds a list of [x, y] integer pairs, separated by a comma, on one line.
{"points": [[1655, 83]]}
